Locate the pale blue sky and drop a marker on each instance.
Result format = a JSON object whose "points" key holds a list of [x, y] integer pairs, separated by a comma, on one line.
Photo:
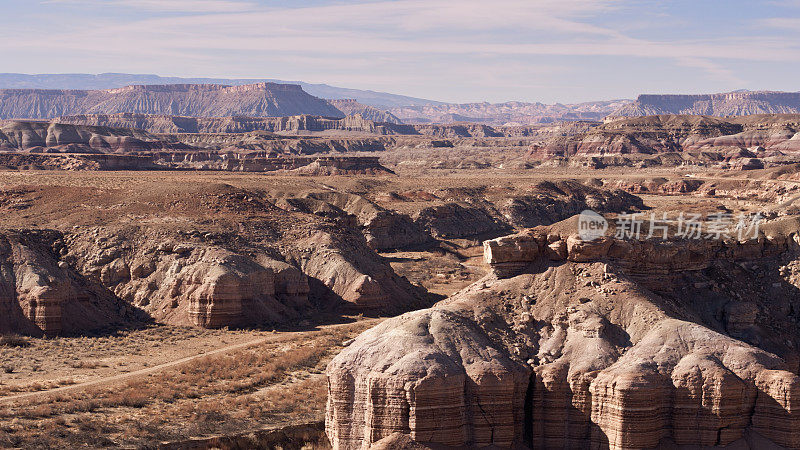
{"points": [[459, 51]]}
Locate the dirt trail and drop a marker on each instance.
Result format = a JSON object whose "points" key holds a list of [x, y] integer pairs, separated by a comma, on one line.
{"points": [[150, 370]]}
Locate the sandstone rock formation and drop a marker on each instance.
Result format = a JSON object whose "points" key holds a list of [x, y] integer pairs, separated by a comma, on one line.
{"points": [[39, 136], [42, 145], [202, 100], [154, 123], [573, 344], [210, 256]]}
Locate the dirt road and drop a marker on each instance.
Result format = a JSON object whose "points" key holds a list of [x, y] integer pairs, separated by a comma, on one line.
{"points": [[154, 369]]}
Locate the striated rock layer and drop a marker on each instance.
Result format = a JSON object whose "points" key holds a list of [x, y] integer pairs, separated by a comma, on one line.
{"points": [[726, 104], [573, 344], [764, 134]]}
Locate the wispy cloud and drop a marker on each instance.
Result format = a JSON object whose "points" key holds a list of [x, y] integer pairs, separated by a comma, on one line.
{"points": [[378, 44], [191, 6], [784, 23]]}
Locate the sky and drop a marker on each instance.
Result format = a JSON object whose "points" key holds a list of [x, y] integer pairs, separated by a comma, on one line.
{"points": [[449, 50]]}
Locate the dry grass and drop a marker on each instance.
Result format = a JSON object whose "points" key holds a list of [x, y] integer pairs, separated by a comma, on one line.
{"points": [[247, 389], [13, 340]]}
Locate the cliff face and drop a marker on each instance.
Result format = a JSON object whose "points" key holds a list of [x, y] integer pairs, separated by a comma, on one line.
{"points": [[154, 123], [259, 100], [362, 122], [571, 344], [727, 104], [224, 151]]}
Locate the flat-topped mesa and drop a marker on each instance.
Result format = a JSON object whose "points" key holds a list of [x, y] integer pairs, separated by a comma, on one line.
{"points": [[723, 104], [509, 255], [200, 100]]}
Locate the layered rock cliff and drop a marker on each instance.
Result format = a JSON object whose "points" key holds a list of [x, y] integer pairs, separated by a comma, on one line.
{"points": [[741, 103], [201, 100], [574, 344], [155, 123], [209, 255]]}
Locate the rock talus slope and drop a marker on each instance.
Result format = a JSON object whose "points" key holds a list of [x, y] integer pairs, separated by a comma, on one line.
{"points": [[573, 344]]}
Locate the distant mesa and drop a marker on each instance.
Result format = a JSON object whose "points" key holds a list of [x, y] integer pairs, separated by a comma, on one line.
{"points": [[352, 107], [739, 103], [197, 100]]}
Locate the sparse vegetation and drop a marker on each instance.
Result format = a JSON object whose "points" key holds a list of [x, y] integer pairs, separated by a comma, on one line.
{"points": [[279, 381], [13, 340]]}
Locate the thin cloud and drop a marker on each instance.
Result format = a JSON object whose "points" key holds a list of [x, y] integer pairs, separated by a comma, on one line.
{"points": [[401, 42], [190, 6]]}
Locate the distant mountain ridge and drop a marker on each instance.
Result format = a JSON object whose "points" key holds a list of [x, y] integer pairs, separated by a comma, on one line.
{"points": [[738, 103], [197, 100], [509, 113], [352, 107], [118, 80]]}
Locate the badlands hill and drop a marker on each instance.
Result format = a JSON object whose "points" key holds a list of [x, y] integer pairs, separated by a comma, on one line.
{"points": [[728, 104], [574, 344], [213, 255], [260, 100]]}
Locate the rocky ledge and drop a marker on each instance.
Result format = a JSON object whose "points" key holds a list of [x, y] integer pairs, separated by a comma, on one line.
{"points": [[574, 344]]}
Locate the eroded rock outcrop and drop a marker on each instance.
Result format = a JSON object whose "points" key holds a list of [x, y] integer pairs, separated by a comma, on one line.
{"points": [[42, 295], [354, 273], [382, 228], [469, 213], [574, 344]]}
